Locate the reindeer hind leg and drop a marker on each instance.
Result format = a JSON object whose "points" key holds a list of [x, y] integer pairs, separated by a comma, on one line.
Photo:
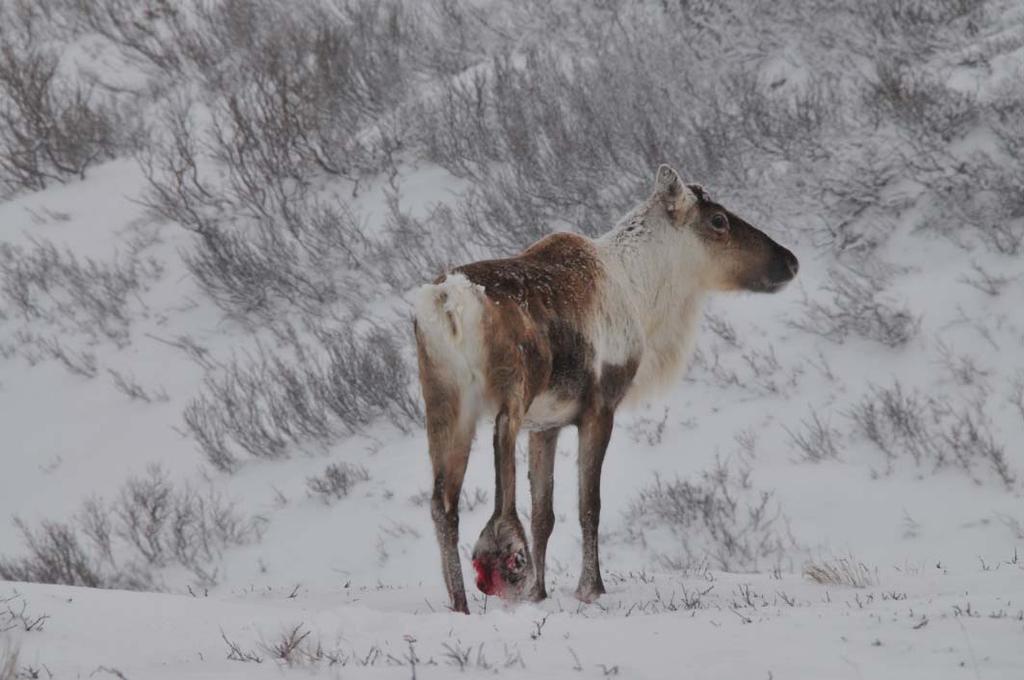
{"points": [[449, 471], [450, 437]]}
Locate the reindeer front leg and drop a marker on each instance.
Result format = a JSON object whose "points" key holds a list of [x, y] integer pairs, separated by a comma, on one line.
{"points": [[501, 557], [450, 454], [542, 516], [595, 430]]}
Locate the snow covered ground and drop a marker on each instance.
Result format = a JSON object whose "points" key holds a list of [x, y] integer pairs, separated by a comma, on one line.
{"points": [[923, 623], [896, 552]]}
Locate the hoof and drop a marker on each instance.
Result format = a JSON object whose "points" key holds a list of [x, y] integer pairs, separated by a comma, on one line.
{"points": [[537, 593], [588, 594]]}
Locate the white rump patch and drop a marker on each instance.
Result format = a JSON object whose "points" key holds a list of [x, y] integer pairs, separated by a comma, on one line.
{"points": [[450, 320]]}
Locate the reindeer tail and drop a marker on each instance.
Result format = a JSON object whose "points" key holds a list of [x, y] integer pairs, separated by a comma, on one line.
{"points": [[450, 319]]}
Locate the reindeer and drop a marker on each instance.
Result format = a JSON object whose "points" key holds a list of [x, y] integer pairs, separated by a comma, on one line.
{"points": [[563, 334]]}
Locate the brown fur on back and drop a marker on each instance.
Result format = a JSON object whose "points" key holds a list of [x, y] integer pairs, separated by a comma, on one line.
{"points": [[556, 276], [538, 305]]}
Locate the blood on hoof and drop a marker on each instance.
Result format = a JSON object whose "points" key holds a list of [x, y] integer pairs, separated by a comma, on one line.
{"points": [[488, 577], [505, 576]]}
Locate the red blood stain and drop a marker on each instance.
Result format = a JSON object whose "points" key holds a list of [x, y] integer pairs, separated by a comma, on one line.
{"points": [[488, 578]]}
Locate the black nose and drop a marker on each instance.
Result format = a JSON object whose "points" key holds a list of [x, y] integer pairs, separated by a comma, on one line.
{"points": [[792, 263]]}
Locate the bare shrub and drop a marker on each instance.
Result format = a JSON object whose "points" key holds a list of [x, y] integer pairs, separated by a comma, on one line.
{"points": [[921, 104], [980, 189], [412, 245], [337, 480], [15, 615], [1017, 393], [130, 387], [650, 430], [79, 363], [237, 653], [317, 257], [890, 418], [858, 306], [152, 524], [815, 440], [337, 382], [721, 328], [139, 29], [756, 370], [170, 162], [289, 646], [98, 525], [243, 273], [1001, 179], [857, 200], [90, 297], [210, 431], [468, 502], [721, 519], [504, 117], [932, 431], [842, 571], [985, 281], [968, 440], [50, 129], [266, 243], [764, 368], [295, 647], [143, 511], [778, 124], [917, 25], [552, 138], [290, 96], [1015, 526], [963, 368], [313, 73], [988, 192], [55, 556]]}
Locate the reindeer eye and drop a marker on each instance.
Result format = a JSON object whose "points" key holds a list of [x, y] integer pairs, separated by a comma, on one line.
{"points": [[516, 562], [719, 222]]}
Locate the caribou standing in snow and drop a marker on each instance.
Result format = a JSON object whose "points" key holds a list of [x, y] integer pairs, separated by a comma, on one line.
{"points": [[563, 334]]}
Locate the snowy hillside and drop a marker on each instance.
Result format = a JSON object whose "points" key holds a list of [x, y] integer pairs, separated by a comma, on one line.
{"points": [[212, 214]]}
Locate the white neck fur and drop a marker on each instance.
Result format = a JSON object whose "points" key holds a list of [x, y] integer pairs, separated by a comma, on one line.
{"points": [[657, 266]]}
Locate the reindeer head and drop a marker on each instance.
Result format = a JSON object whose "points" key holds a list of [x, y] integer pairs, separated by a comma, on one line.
{"points": [[501, 559], [729, 253]]}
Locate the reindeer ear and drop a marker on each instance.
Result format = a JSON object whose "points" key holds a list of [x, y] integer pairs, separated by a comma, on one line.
{"points": [[669, 188], [667, 183]]}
